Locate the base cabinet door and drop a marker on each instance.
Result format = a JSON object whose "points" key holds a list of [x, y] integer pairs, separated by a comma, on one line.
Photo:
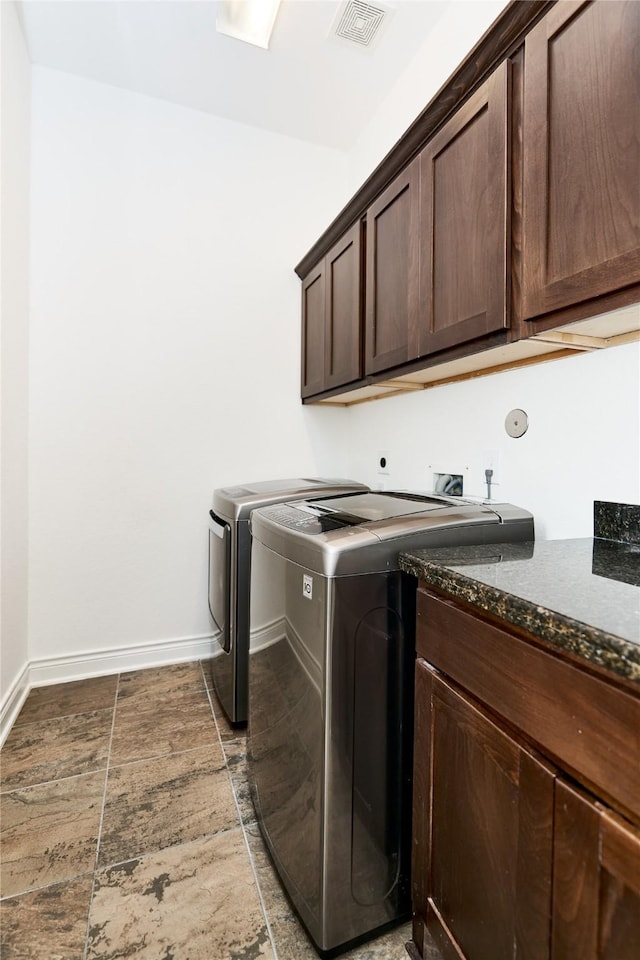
{"points": [[596, 881], [581, 155], [485, 877]]}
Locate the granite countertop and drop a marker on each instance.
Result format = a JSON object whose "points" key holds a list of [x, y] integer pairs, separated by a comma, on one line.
{"points": [[582, 595]]}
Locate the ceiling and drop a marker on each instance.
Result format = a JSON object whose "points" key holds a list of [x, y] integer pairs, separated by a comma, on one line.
{"points": [[306, 85]]}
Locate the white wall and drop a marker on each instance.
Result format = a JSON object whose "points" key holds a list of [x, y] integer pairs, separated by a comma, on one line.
{"points": [[583, 442], [165, 351], [14, 206], [164, 358]]}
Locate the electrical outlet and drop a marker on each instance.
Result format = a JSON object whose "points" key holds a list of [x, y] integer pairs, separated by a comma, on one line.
{"points": [[382, 463]]}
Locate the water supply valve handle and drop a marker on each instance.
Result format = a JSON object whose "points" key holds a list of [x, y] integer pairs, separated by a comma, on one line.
{"points": [[487, 476]]}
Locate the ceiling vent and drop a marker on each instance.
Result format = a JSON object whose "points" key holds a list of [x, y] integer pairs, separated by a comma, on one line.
{"points": [[360, 23]]}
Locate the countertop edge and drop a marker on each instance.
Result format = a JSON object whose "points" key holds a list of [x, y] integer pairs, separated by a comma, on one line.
{"points": [[589, 643]]}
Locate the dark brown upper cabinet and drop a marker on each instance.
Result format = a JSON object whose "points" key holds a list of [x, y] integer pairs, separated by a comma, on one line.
{"points": [[392, 273], [313, 324], [464, 223], [437, 238], [508, 212], [332, 317], [581, 155]]}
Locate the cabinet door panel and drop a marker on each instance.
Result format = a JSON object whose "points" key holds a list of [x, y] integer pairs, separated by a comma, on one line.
{"points": [[596, 886], [581, 154], [392, 275], [464, 221], [343, 332], [313, 332], [489, 861], [620, 889]]}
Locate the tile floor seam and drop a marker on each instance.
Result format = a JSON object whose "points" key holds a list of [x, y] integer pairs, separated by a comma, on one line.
{"points": [[45, 886], [254, 871], [172, 846], [213, 713], [187, 691], [241, 821], [162, 756], [8, 788], [104, 801], [146, 854], [61, 716], [45, 783]]}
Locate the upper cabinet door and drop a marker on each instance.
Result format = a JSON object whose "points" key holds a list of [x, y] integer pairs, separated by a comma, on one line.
{"points": [[464, 222], [313, 324], [392, 273], [581, 154], [343, 310]]}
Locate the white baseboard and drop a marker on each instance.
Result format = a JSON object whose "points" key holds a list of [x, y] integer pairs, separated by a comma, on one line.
{"points": [[98, 663], [12, 702], [270, 633]]}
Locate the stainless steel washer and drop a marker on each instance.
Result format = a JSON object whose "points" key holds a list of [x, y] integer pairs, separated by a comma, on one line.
{"points": [[331, 694], [229, 566]]}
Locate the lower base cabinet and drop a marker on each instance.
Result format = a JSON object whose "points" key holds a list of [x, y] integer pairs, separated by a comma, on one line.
{"points": [[596, 881], [490, 820], [513, 859]]}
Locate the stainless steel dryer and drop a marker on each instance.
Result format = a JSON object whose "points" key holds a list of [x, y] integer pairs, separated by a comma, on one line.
{"points": [[229, 565], [331, 694]]}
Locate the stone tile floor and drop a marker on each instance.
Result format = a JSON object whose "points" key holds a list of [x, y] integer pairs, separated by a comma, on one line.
{"points": [[127, 830]]}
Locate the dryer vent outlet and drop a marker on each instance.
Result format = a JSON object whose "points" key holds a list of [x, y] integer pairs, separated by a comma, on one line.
{"points": [[449, 484]]}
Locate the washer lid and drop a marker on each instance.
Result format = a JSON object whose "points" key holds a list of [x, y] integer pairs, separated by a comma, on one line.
{"points": [[381, 515], [236, 503], [371, 507]]}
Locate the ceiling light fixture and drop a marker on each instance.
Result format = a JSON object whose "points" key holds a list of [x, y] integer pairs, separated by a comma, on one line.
{"points": [[249, 20]]}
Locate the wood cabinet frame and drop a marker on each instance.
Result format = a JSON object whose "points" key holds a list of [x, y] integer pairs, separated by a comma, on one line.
{"points": [[487, 226], [332, 298], [553, 193], [523, 895], [596, 876], [344, 308], [533, 318], [312, 379], [499, 42], [568, 738], [392, 333]]}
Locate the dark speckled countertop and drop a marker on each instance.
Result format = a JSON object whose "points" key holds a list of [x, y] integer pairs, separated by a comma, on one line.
{"points": [[582, 596]]}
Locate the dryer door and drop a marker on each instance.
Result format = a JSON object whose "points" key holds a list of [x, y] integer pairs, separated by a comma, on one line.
{"points": [[220, 577]]}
